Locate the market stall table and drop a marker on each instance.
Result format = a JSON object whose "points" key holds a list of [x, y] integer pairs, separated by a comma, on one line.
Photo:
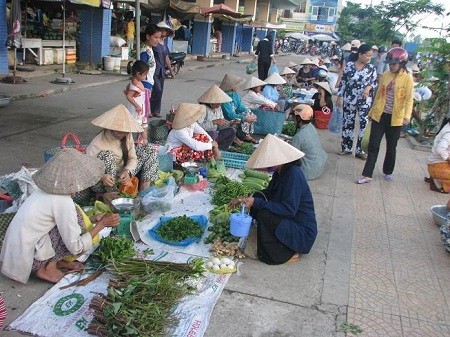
{"points": [[32, 44]]}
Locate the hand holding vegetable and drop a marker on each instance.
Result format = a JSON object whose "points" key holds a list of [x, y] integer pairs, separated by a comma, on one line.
{"points": [[124, 176], [108, 180], [108, 220]]}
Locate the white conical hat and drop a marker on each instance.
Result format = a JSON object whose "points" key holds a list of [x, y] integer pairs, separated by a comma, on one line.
{"points": [[325, 86], [253, 82], [346, 47], [307, 60], [292, 64], [214, 95], [118, 119], [186, 114], [275, 79], [69, 171], [287, 71], [230, 82], [273, 151]]}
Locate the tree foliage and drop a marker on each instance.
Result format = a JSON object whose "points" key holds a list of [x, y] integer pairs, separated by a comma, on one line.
{"points": [[380, 24]]}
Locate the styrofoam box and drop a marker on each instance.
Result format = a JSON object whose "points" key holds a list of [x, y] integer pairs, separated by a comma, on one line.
{"points": [[47, 56], [58, 55], [121, 52]]}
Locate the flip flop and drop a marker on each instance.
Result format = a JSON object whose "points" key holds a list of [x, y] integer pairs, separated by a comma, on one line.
{"points": [[363, 180], [344, 153]]}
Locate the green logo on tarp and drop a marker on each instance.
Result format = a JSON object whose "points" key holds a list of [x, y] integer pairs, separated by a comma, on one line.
{"points": [[68, 304]]}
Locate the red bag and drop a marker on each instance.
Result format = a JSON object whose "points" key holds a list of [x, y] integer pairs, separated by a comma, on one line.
{"points": [[322, 117]]}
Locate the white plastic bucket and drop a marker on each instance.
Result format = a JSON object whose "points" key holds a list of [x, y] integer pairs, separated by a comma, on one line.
{"points": [[240, 224], [108, 63], [117, 63]]}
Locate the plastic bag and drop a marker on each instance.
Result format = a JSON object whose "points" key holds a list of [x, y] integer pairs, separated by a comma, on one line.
{"points": [[273, 69], [365, 139], [251, 68], [159, 199], [335, 123]]}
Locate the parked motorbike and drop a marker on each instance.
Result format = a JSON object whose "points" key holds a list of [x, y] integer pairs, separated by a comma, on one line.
{"points": [[177, 61]]}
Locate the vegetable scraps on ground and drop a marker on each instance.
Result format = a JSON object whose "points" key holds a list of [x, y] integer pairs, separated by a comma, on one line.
{"points": [[179, 229]]}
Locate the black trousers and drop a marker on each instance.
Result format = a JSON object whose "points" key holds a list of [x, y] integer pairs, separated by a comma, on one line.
{"points": [[156, 98], [270, 249], [263, 68], [377, 131]]}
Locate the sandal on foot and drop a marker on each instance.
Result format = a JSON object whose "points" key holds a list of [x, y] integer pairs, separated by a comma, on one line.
{"points": [[361, 156], [344, 153], [427, 180], [433, 187], [388, 177], [363, 180]]}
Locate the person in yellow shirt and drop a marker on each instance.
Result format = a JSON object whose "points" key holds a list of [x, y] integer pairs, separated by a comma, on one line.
{"points": [[130, 31]]}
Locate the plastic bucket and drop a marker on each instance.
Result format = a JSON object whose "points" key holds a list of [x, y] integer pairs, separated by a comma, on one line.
{"points": [[108, 63], [117, 63], [71, 56], [240, 224]]}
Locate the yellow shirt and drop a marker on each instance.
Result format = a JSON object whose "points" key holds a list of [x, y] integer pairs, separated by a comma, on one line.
{"points": [[130, 30], [403, 97]]}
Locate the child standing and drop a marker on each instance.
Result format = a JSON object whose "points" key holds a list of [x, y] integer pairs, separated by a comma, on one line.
{"points": [[136, 96]]}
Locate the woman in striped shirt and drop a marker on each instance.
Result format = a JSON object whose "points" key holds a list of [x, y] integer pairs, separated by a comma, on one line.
{"points": [[391, 110]]}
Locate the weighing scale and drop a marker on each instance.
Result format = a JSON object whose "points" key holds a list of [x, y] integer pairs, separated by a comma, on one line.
{"points": [[191, 177], [126, 209]]}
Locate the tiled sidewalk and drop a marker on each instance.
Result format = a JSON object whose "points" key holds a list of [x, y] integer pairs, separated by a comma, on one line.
{"points": [[400, 271]]}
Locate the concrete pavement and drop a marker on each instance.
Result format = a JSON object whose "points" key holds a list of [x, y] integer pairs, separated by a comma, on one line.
{"points": [[377, 264]]}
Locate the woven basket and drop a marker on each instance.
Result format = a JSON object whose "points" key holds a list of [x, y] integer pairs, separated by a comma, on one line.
{"points": [[268, 121], [157, 131], [49, 153]]}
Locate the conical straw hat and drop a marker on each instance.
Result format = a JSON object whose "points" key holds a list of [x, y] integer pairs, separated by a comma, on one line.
{"points": [[69, 171], [325, 86], [287, 71], [292, 64], [304, 111], [307, 60], [253, 82], [334, 69], [275, 79], [273, 151], [214, 95], [118, 119], [187, 113], [231, 82], [346, 47]]}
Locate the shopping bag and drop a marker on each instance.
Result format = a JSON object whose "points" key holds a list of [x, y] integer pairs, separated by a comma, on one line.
{"points": [[273, 69], [49, 153], [365, 139], [251, 68], [335, 123]]}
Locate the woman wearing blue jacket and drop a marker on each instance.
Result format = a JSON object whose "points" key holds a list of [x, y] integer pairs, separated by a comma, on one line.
{"points": [[284, 211]]}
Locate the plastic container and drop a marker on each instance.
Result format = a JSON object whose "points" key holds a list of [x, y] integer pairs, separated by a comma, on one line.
{"points": [[58, 54], [117, 63], [108, 63], [71, 56], [47, 56], [240, 224], [234, 160]]}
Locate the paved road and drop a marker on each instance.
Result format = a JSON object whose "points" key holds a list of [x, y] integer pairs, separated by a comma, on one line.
{"points": [[377, 262]]}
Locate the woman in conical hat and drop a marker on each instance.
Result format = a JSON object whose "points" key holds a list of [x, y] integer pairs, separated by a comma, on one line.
{"points": [[187, 140], [284, 211], [236, 110], [253, 98], [271, 91], [323, 104], [306, 75], [114, 145], [289, 76], [213, 121], [48, 227]]}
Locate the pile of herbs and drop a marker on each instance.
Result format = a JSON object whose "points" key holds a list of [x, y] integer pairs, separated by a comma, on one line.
{"points": [[289, 129], [141, 297], [114, 248], [227, 190], [180, 228]]}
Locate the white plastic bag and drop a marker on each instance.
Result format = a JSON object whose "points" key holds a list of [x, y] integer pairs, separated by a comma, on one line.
{"points": [[159, 199]]}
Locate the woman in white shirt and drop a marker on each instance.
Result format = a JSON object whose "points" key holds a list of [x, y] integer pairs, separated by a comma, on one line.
{"points": [[439, 160], [253, 98], [187, 140], [47, 227]]}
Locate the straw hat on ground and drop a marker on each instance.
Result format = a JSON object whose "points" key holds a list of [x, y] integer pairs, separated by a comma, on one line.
{"points": [[273, 151], [287, 71], [346, 47], [68, 172], [187, 113], [254, 82], [275, 79], [118, 119], [292, 64], [304, 111], [214, 95], [325, 86], [230, 82]]}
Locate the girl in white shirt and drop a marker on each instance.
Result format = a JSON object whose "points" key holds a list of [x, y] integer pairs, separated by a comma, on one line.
{"points": [[439, 160]]}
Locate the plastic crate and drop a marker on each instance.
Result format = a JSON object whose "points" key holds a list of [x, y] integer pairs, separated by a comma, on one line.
{"points": [[235, 155], [234, 160]]}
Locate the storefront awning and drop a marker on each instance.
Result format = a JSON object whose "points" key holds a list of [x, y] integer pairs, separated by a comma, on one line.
{"points": [[185, 7], [268, 25], [285, 4], [92, 3], [222, 11]]}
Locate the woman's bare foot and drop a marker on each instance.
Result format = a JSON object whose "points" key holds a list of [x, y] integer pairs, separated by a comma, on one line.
{"points": [[72, 266], [237, 141], [50, 273], [294, 258]]}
